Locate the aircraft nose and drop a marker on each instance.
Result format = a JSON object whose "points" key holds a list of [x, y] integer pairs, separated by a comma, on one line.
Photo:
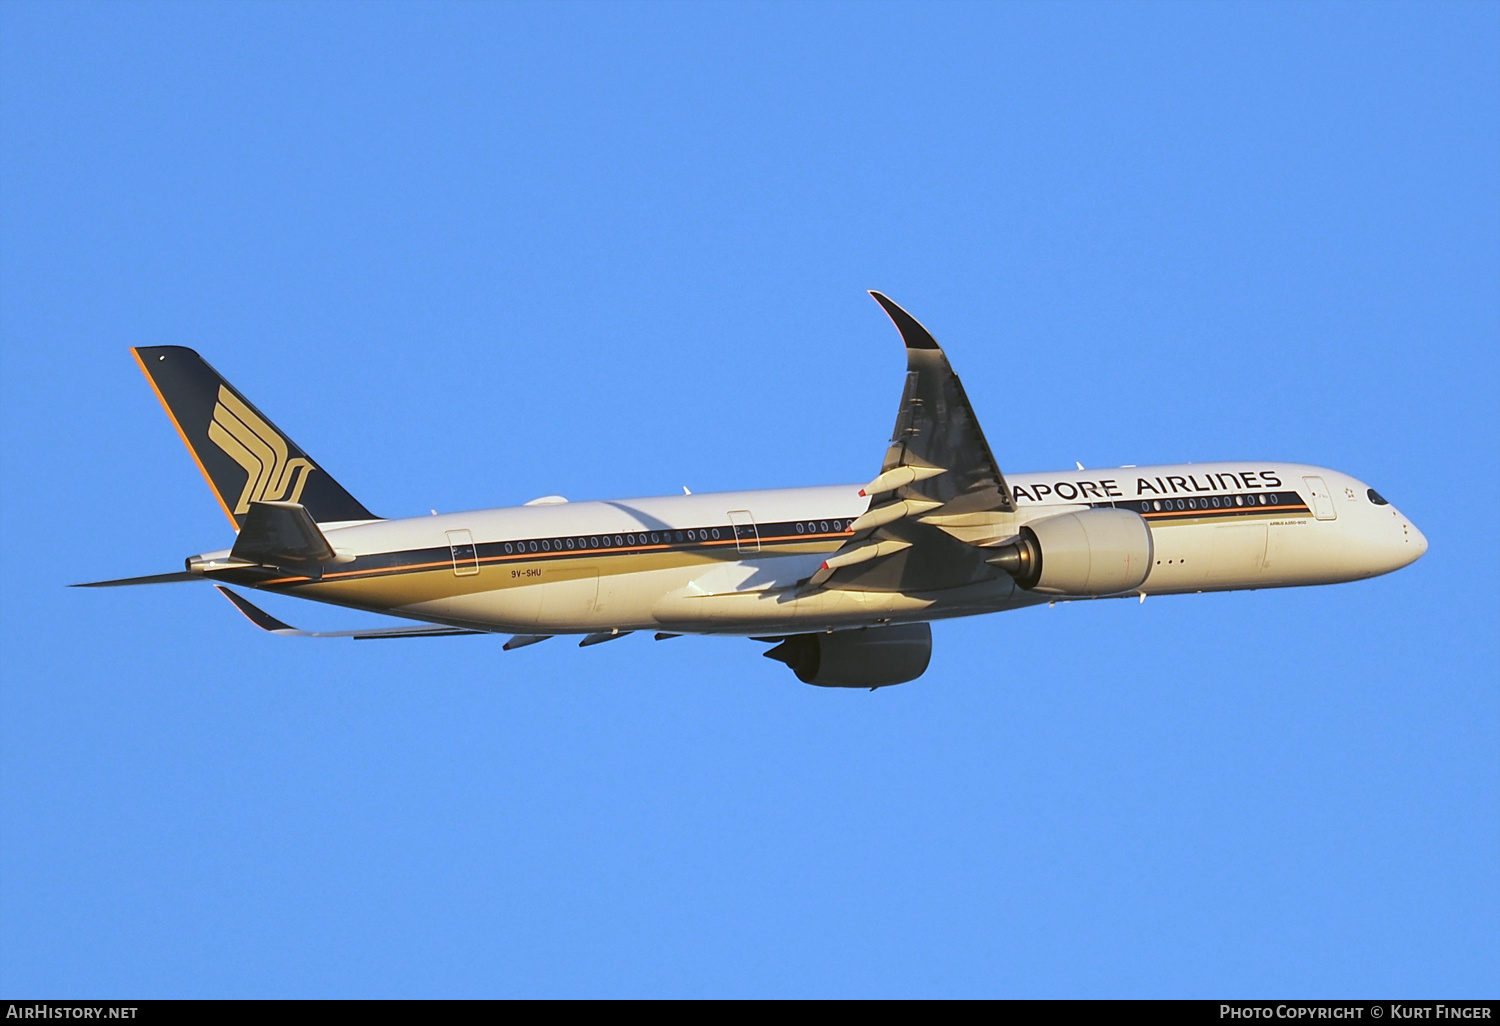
{"points": [[1407, 542], [1417, 540]]}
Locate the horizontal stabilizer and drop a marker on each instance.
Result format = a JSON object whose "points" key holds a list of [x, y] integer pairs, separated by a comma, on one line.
{"points": [[281, 534], [266, 622], [181, 575]]}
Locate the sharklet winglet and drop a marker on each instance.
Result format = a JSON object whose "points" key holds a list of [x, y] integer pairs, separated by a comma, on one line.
{"points": [[912, 333], [266, 622], [256, 615]]}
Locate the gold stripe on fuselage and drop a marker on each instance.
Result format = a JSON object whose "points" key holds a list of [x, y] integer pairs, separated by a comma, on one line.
{"points": [[423, 582], [1218, 516]]}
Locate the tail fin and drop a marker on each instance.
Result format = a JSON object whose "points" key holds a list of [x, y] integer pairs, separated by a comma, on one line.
{"points": [[243, 456]]}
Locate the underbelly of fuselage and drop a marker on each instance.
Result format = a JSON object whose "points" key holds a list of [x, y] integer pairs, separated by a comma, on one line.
{"points": [[752, 596]]}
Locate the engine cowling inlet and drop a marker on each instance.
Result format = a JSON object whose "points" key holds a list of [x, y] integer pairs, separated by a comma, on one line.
{"points": [[869, 657], [1093, 552]]}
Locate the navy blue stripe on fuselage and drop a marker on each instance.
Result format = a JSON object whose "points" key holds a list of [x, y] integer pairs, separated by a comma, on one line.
{"points": [[742, 539], [1211, 507]]}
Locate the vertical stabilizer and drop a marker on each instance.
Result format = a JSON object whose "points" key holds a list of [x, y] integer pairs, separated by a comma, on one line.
{"points": [[243, 456]]}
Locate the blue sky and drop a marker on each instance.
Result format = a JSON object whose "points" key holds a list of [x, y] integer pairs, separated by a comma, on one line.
{"points": [[467, 255]]}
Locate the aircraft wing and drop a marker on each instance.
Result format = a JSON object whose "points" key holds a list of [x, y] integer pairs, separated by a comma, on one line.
{"points": [[266, 622], [939, 495], [936, 428]]}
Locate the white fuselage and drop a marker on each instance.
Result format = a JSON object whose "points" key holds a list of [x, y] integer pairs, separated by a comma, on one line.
{"points": [[730, 562]]}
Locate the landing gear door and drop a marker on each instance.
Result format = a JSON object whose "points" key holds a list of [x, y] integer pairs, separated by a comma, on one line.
{"points": [[746, 537], [465, 559], [1320, 498]]}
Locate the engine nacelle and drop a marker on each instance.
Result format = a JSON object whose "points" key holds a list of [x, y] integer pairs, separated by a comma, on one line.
{"points": [[1095, 552], [871, 657]]}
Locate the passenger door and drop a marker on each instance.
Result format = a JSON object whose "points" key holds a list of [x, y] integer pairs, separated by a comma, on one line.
{"points": [[465, 557], [1320, 499], [746, 537]]}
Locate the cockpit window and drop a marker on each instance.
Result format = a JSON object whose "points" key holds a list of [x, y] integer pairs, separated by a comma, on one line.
{"points": [[1376, 497]]}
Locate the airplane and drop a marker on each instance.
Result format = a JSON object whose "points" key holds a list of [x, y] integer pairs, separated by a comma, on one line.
{"points": [[842, 580]]}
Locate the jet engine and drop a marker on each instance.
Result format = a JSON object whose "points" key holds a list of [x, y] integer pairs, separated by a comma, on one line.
{"points": [[870, 657], [1094, 552]]}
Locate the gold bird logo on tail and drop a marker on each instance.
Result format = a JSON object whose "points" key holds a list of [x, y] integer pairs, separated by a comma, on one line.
{"points": [[255, 445]]}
